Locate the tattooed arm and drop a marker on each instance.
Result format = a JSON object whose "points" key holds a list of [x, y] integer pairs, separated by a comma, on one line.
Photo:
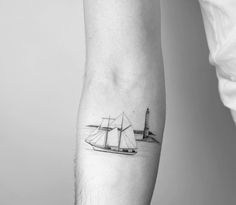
{"points": [[122, 109]]}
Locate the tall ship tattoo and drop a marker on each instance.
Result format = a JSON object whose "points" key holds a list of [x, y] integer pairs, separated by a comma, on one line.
{"points": [[116, 135]]}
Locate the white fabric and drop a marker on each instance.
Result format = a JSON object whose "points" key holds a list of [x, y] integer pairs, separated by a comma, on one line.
{"points": [[220, 24]]}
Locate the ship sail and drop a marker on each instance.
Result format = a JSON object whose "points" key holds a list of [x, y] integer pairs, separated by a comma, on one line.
{"points": [[113, 138], [128, 139], [96, 139], [94, 132]]}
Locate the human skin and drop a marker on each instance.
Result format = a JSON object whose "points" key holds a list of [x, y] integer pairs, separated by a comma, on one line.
{"points": [[123, 74]]}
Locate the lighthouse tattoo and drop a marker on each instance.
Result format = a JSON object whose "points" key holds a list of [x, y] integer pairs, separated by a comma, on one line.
{"points": [[116, 135]]}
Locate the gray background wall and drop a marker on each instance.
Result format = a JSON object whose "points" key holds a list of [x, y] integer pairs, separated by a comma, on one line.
{"points": [[41, 68]]}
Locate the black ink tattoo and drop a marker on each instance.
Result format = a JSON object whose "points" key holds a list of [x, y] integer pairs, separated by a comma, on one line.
{"points": [[116, 135]]}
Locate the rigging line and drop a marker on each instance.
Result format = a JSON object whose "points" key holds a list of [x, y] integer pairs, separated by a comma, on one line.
{"points": [[128, 119], [116, 118], [99, 126], [98, 135], [94, 142], [95, 136], [92, 135], [94, 132], [98, 139]]}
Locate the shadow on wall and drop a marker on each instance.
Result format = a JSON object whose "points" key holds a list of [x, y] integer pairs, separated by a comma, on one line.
{"points": [[198, 158]]}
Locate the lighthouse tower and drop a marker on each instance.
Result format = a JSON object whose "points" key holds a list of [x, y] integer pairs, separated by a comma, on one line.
{"points": [[146, 124]]}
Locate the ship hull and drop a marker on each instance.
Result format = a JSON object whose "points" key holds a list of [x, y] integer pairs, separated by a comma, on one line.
{"points": [[115, 151]]}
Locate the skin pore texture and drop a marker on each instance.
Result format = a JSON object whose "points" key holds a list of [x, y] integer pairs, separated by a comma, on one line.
{"points": [[122, 109]]}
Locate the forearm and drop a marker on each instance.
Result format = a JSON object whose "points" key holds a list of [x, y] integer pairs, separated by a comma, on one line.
{"points": [[124, 74]]}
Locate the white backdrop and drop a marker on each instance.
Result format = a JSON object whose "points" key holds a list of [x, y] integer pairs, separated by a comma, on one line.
{"points": [[41, 69]]}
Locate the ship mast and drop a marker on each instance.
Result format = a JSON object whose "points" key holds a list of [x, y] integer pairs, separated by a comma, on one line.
{"points": [[108, 124], [121, 129]]}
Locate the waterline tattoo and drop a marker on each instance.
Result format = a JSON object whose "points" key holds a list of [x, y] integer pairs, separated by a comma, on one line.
{"points": [[116, 135]]}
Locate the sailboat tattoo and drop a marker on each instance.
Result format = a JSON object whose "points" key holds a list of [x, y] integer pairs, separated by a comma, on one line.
{"points": [[116, 135]]}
